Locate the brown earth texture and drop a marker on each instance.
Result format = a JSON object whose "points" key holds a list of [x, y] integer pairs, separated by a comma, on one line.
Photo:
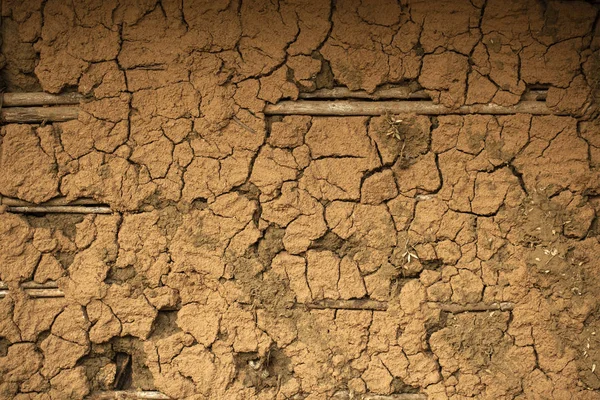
{"points": [[228, 224]]}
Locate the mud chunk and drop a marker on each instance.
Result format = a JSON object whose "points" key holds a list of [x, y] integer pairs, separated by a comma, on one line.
{"points": [[402, 210], [20, 362], [70, 384], [439, 291], [72, 325], [173, 101], [292, 203], [272, 89], [245, 336], [481, 333], [157, 156], [379, 187], [556, 65], [479, 89], [448, 252], [504, 65], [43, 240], [368, 226], [428, 217], [133, 311], [27, 328], [302, 231], [201, 362], [282, 330], [142, 245], [103, 80], [412, 296], [200, 241], [377, 377], [451, 25], [80, 136], [422, 368], [112, 179], [323, 273], [403, 134], [305, 70], [334, 178], [395, 361], [208, 178], [289, 132], [350, 284], [104, 323], [162, 297], [271, 168], [28, 172], [575, 100], [466, 287], [545, 161], [339, 137], [19, 257], [378, 283], [581, 216], [60, 354], [201, 321], [423, 175], [491, 190], [294, 269], [445, 75]]}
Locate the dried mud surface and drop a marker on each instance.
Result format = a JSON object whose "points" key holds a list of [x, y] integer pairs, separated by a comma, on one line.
{"points": [[227, 221]]}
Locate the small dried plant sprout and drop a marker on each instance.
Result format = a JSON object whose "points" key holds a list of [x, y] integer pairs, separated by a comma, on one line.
{"points": [[409, 253], [396, 129]]}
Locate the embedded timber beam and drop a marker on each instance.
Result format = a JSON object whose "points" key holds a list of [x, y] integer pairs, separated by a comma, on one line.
{"points": [[356, 304], [395, 93], [398, 93], [50, 289], [128, 395], [39, 99], [35, 290], [38, 114], [57, 205], [59, 209], [372, 108]]}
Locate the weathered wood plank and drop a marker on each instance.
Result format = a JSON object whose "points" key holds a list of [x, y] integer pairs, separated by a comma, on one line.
{"points": [[128, 395], [38, 114], [58, 201], [371, 108], [399, 93], [59, 209], [39, 99]]}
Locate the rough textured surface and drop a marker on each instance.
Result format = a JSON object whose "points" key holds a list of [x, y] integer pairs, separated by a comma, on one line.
{"points": [[226, 221]]}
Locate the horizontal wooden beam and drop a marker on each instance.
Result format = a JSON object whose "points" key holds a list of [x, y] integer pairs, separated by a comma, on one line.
{"points": [[398, 93], [395, 93], [59, 209], [35, 290], [371, 108], [32, 285], [58, 201], [39, 99], [128, 395], [38, 114], [50, 289], [355, 304], [399, 396], [458, 308]]}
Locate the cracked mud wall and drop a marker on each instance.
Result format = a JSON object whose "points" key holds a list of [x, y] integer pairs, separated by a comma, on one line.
{"points": [[227, 221]]}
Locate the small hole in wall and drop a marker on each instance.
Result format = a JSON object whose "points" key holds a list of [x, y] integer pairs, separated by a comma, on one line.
{"points": [[124, 374], [4, 343], [398, 386]]}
